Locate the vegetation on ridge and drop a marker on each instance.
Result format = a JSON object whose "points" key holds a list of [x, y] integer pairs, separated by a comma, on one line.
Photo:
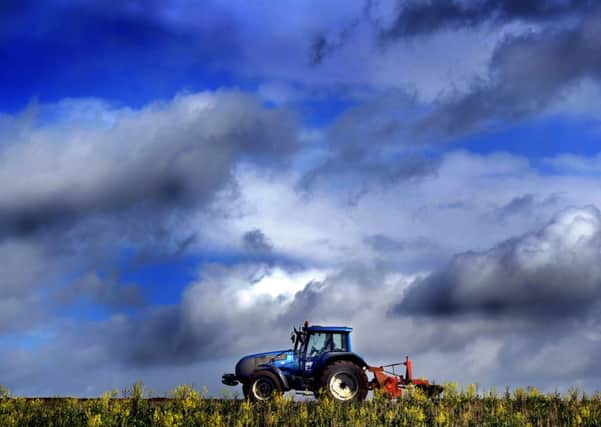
{"points": [[189, 407]]}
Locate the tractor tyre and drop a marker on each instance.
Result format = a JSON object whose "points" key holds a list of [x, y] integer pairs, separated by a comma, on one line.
{"points": [[263, 386], [344, 381]]}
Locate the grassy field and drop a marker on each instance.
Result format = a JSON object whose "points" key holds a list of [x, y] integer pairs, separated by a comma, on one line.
{"points": [[187, 407]]}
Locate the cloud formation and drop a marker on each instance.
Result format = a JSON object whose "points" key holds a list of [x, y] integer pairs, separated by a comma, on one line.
{"points": [[424, 17], [221, 314], [552, 272], [165, 156], [527, 73]]}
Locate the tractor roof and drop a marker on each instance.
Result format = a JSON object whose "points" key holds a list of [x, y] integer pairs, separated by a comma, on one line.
{"points": [[319, 328]]}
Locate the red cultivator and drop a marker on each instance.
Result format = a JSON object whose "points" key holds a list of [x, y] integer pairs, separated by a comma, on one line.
{"points": [[393, 384]]}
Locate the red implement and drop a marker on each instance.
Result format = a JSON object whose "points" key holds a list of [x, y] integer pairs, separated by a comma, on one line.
{"points": [[393, 384]]}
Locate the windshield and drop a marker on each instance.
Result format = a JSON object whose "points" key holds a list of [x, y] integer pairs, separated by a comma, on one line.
{"points": [[321, 342]]}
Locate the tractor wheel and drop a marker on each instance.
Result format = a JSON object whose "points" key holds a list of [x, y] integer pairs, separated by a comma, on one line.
{"points": [[263, 386], [344, 381]]}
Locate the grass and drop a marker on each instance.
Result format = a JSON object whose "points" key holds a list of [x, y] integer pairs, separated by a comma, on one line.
{"points": [[188, 407]]}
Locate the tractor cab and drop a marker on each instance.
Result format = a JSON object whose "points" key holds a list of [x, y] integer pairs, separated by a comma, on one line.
{"points": [[312, 342]]}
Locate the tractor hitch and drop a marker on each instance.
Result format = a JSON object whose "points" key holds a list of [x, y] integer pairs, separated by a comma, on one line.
{"points": [[229, 379]]}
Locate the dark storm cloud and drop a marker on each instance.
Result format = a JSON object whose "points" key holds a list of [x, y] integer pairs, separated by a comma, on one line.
{"points": [[555, 271], [425, 17], [526, 74], [256, 240], [164, 337], [168, 156]]}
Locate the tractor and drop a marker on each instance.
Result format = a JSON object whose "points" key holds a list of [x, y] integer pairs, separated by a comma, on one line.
{"points": [[321, 363]]}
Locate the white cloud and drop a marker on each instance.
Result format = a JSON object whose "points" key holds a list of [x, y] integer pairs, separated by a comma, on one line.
{"points": [[275, 284], [575, 164], [471, 203]]}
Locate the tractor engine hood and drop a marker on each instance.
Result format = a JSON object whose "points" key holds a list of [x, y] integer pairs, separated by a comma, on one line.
{"points": [[247, 364]]}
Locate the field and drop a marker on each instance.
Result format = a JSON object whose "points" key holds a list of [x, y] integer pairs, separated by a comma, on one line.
{"points": [[188, 407]]}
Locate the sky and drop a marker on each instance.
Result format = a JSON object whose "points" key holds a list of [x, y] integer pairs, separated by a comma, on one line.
{"points": [[183, 182]]}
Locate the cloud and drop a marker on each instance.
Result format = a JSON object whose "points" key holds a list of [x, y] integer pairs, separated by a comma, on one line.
{"points": [[518, 61], [399, 23], [102, 292], [575, 164], [552, 272], [417, 254], [164, 156], [85, 182], [418, 18], [527, 74], [465, 205], [256, 240], [527, 204], [369, 148], [26, 268], [222, 314]]}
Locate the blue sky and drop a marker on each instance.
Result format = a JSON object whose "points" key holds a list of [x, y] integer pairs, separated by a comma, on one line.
{"points": [[184, 182]]}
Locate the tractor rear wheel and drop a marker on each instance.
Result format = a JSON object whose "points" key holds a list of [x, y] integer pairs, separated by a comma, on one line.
{"points": [[263, 386], [344, 381]]}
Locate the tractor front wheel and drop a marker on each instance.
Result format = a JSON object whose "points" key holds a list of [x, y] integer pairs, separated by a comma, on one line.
{"points": [[344, 381], [263, 386]]}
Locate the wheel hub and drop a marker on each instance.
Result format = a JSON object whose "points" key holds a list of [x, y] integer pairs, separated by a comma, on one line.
{"points": [[263, 389], [343, 386]]}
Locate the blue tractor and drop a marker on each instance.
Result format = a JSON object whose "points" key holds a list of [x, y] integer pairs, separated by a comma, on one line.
{"points": [[321, 361]]}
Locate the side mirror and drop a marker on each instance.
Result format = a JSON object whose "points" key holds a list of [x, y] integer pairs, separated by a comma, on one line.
{"points": [[292, 338]]}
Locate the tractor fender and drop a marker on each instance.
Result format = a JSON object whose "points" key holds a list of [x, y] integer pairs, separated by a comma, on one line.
{"points": [[275, 370], [332, 356]]}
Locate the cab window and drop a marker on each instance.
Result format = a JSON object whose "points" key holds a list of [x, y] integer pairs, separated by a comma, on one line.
{"points": [[339, 342], [322, 342], [316, 344]]}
